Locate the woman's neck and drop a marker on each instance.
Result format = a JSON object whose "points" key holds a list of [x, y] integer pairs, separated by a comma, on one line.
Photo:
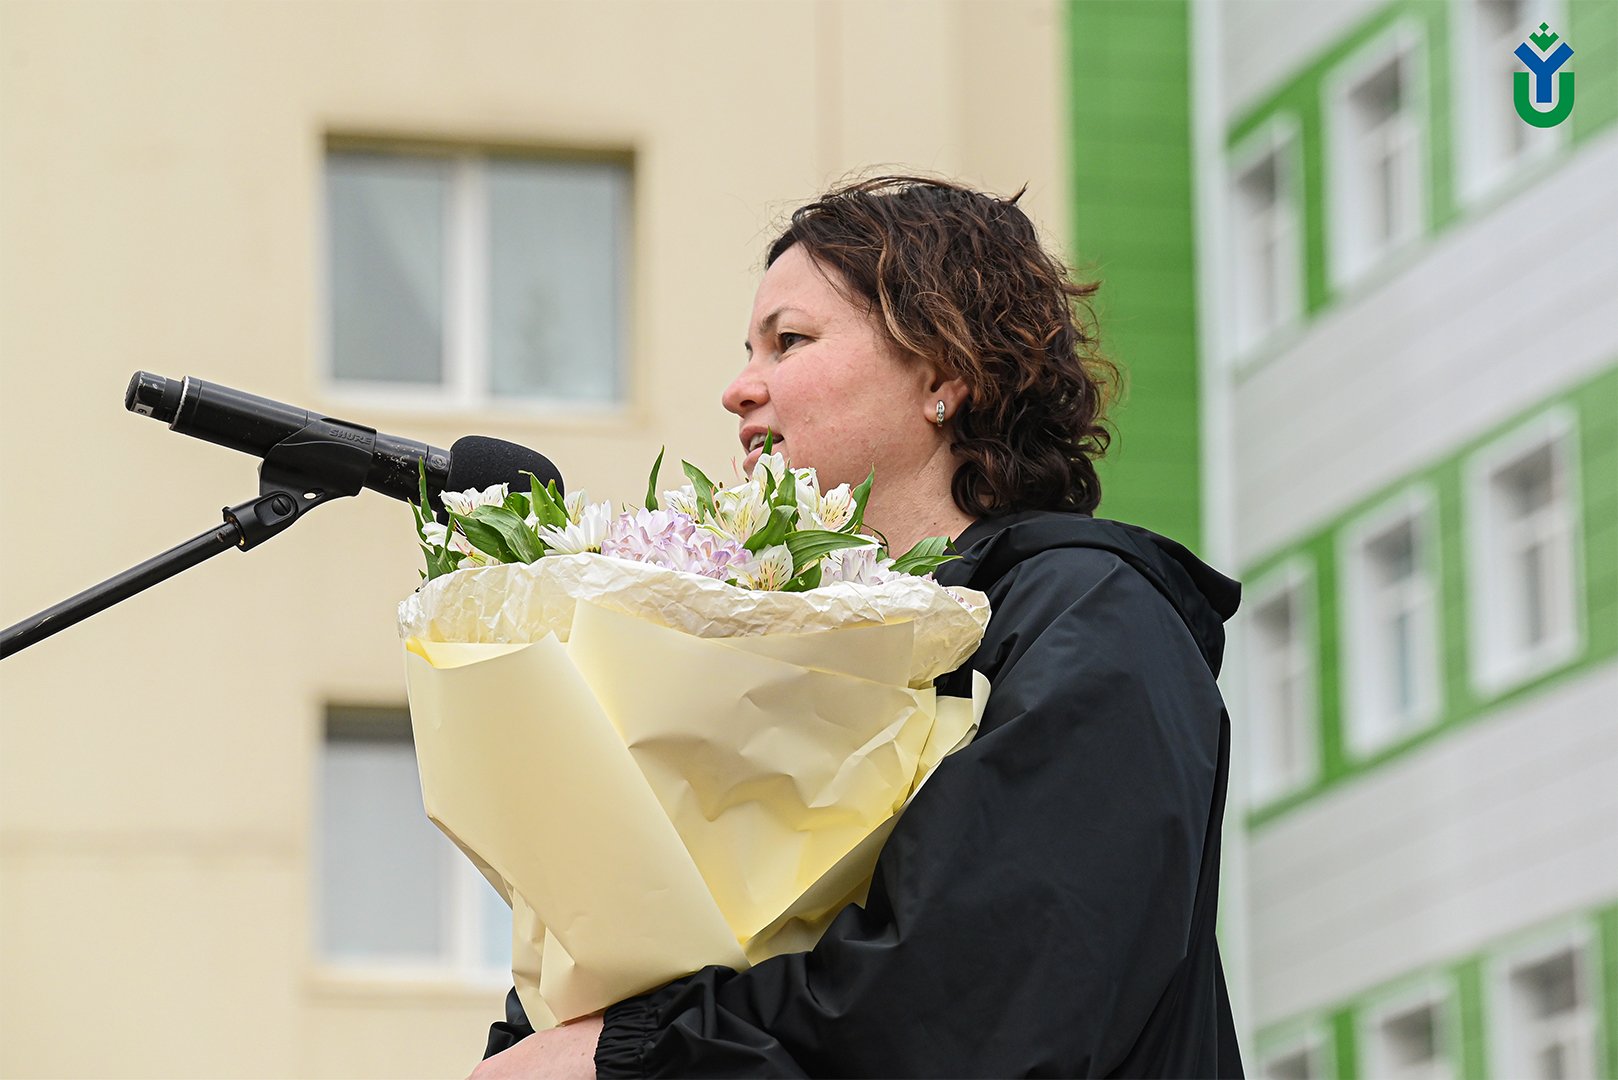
{"points": [[907, 513]]}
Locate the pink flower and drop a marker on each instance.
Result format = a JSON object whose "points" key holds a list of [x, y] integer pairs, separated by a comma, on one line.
{"points": [[672, 540]]}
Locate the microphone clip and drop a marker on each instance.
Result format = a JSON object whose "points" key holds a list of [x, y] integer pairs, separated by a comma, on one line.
{"points": [[325, 459]]}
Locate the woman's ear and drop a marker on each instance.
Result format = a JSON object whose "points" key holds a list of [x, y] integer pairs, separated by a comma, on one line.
{"points": [[954, 393], [942, 397]]}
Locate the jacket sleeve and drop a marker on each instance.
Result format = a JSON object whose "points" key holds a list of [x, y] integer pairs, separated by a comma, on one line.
{"points": [[1034, 901]]}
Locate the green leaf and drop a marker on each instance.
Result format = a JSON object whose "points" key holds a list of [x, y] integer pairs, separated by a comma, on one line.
{"points": [[924, 557], [811, 576], [809, 579], [544, 503], [517, 503], [516, 536], [426, 503], [539, 502], [811, 545], [786, 500], [558, 503], [862, 495], [704, 489], [432, 570], [440, 561], [774, 531], [922, 565], [484, 537], [651, 482], [769, 486], [786, 493], [420, 513]]}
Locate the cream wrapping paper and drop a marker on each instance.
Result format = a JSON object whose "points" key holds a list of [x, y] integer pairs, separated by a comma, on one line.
{"points": [[652, 798]]}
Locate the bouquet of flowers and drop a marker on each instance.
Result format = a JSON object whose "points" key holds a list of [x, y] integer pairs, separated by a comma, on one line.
{"points": [[676, 735]]}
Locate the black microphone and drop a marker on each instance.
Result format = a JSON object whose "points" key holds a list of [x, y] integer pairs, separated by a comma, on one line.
{"points": [[255, 425]]}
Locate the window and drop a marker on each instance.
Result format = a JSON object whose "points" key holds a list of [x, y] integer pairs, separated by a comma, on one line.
{"points": [[464, 279], [392, 892], [1548, 1026], [1495, 142], [1409, 1039], [1391, 632], [1282, 686], [1265, 235], [1376, 172], [1521, 536], [1302, 1058]]}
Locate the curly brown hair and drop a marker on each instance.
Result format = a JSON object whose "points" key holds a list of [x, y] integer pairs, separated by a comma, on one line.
{"points": [[961, 279]]}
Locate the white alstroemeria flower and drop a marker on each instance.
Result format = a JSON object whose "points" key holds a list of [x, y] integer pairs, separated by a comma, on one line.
{"points": [[775, 463], [586, 534], [464, 502], [768, 571], [807, 481], [436, 535], [573, 503], [475, 559], [683, 501], [834, 509], [859, 565], [739, 512]]}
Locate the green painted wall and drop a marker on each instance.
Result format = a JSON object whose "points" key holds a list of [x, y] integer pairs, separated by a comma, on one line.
{"points": [[1344, 1045], [1470, 1003], [1608, 942], [1302, 98], [1473, 1038], [1595, 404], [1592, 31], [1132, 196]]}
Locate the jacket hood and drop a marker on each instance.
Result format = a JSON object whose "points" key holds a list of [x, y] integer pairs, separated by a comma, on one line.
{"points": [[1203, 597]]}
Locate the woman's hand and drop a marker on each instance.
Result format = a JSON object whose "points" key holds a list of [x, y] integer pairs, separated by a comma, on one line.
{"points": [[562, 1053]]}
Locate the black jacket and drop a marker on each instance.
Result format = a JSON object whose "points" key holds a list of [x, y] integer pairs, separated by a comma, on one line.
{"points": [[1046, 905]]}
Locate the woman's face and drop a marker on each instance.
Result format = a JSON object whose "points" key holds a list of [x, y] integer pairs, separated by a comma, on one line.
{"points": [[823, 377]]}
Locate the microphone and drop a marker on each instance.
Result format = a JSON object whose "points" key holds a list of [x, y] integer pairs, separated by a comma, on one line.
{"points": [[255, 425]]}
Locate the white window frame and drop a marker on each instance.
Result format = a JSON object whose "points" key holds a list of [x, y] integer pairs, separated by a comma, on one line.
{"points": [[1313, 1040], [1281, 138], [1370, 727], [1265, 784], [462, 929], [1495, 664], [1433, 993], [1351, 256], [465, 386], [1508, 1054], [1481, 170]]}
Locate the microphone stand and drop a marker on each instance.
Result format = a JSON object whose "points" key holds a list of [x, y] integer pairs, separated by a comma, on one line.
{"points": [[311, 466]]}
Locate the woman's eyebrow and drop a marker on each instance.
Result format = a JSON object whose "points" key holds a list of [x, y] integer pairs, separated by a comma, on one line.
{"points": [[767, 324]]}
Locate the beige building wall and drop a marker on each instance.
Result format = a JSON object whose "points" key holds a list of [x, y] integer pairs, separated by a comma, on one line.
{"points": [[160, 209]]}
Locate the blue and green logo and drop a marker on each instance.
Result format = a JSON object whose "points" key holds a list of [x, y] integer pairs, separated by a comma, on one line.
{"points": [[1542, 63]]}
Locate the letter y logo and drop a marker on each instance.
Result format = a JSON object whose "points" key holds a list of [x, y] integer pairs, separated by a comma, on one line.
{"points": [[1542, 64]]}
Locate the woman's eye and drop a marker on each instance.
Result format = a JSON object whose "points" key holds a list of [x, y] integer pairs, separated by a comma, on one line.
{"points": [[789, 339]]}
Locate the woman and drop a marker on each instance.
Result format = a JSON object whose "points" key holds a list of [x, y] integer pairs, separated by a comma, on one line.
{"points": [[1046, 905]]}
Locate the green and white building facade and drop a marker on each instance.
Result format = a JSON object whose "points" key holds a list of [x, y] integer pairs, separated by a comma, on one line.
{"points": [[1387, 399]]}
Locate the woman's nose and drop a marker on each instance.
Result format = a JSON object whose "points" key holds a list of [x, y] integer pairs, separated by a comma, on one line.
{"points": [[746, 392]]}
